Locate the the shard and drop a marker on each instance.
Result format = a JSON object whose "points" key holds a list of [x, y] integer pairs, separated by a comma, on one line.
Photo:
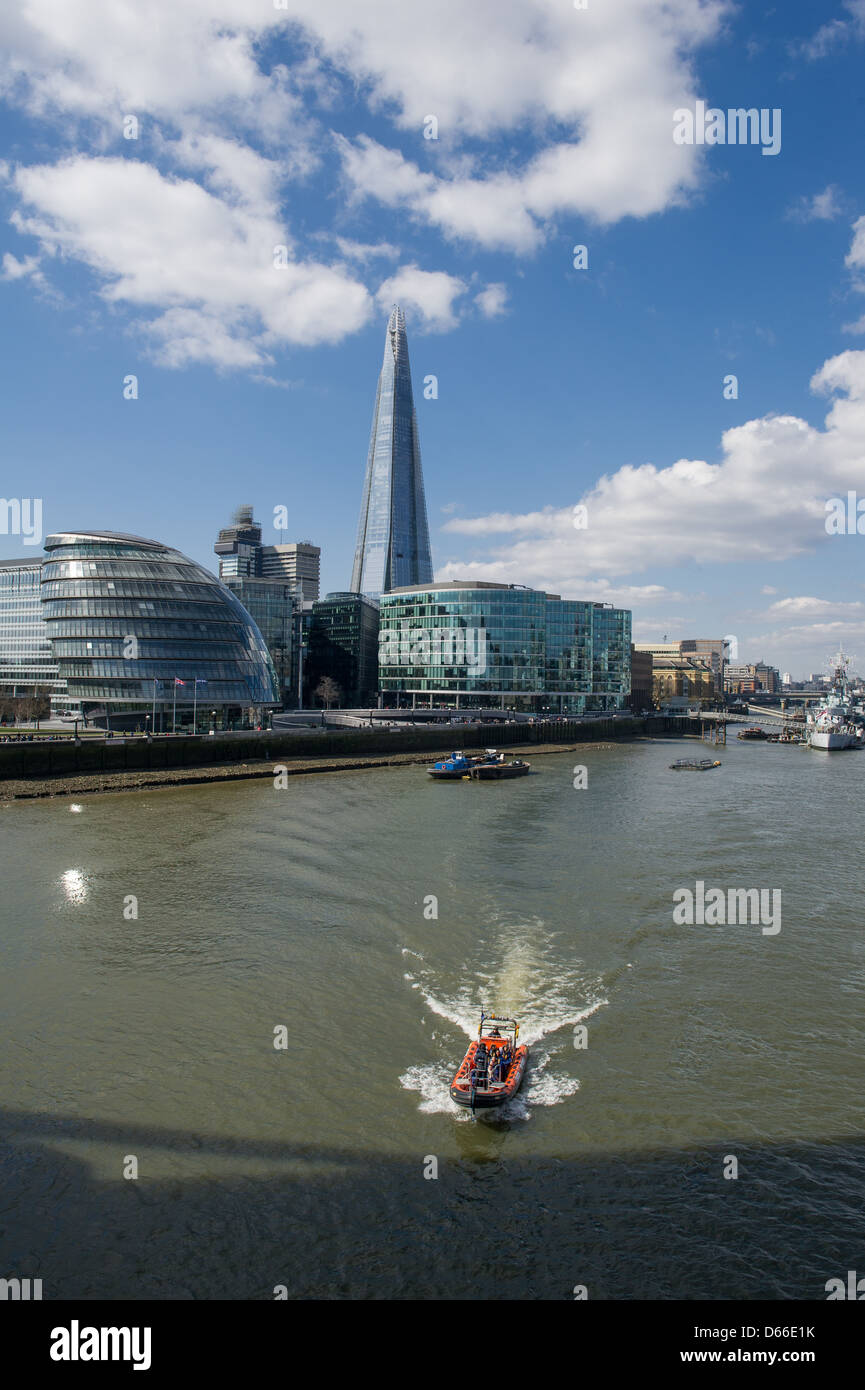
{"points": [[393, 536]]}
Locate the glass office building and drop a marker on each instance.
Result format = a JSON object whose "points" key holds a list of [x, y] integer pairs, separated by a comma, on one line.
{"points": [[138, 630], [393, 546], [470, 644], [343, 644], [274, 606], [27, 665]]}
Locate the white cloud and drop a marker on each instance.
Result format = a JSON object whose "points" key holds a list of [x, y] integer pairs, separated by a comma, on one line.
{"points": [[765, 501], [855, 262], [429, 294], [808, 607], [821, 207], [366, 251], [492, 301], [568, 113], [830, 37], [157, 242], [13, 269]]}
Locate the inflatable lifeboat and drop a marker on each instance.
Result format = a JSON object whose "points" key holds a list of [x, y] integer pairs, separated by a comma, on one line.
{"points": [[492, 1070]]}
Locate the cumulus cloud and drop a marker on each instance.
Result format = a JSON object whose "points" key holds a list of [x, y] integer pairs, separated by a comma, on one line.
{"points": [[590, 94], [428, 294], [834, 35], [820, 207], [855, 262], [167, 243], [765, 501], [805, 606], [492, 301], [13, 269]]}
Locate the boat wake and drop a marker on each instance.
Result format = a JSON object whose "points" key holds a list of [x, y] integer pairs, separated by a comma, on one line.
{"points": [[548, 999]]}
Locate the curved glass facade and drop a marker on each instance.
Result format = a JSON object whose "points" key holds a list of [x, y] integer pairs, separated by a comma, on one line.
{"points": [[133, 623], [498, 644]]}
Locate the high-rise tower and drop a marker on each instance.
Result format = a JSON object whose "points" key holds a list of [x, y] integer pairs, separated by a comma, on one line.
{"points": [[393, 536]]}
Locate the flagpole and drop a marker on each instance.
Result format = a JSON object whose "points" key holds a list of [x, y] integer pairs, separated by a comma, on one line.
{"points": [[153, 716], [194, 701], [174, 709]]}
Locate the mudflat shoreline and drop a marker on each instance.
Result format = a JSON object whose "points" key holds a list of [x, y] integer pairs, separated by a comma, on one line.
{"points": [[28, 789]]}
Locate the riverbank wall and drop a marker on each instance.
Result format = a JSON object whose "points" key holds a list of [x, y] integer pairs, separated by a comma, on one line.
{"points": [[50, 769]]}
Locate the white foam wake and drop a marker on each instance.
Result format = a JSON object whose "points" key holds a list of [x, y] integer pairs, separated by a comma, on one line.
{"points": [[546, 996]]}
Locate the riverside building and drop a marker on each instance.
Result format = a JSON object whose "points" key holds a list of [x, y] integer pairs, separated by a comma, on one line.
{"points": [[27, 664], [343, 644], [471, 644], [144, 636], [277, 584]]}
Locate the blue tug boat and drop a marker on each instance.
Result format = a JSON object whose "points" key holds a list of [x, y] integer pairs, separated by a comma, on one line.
{"points": [[454, 767]]}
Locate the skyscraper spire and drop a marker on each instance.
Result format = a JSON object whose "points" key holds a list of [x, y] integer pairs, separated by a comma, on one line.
{"points": [[393, 546]]}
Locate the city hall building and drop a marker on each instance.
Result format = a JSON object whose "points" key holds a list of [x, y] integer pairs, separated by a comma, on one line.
{"points": [[142, 636], [470, 644]]}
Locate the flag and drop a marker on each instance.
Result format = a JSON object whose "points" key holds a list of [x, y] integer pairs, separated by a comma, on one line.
{"points": [[178, 682]]}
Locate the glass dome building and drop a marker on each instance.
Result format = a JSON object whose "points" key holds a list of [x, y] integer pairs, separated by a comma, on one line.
{"points": [[141, 632]]}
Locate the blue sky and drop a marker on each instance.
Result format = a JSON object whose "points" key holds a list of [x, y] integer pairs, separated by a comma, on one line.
{"points": [[303, 127]]}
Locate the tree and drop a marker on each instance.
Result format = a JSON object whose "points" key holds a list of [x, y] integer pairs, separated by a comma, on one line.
{"points": [[328, 691]]}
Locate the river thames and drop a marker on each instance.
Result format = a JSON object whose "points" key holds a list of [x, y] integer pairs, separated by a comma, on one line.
{"points": [[691, 1122]]}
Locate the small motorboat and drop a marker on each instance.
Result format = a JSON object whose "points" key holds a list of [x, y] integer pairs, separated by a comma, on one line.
{"points": [[492, 1070], [495, 766], [694, 764]]}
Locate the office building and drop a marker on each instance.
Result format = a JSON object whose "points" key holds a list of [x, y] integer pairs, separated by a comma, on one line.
{"points": [[274, 607], [28, 670], [752, 678], [471, 644], [298, 564], [393, 548], [242, 556], [708, 651], [642, 688], [343, 644]]}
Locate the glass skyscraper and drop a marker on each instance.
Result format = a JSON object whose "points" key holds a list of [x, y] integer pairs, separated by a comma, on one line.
{"points": [[393, 546]]}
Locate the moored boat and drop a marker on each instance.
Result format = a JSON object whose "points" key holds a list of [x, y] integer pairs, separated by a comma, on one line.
{"points": [[456, 766], [755, 732], [493, 1068], [497, 766]]}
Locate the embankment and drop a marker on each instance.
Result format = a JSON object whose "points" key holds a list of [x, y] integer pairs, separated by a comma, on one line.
{"points": [[54, 769]]}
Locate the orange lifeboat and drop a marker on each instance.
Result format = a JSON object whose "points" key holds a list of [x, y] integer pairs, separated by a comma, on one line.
{"points": [[493, 1068]]}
